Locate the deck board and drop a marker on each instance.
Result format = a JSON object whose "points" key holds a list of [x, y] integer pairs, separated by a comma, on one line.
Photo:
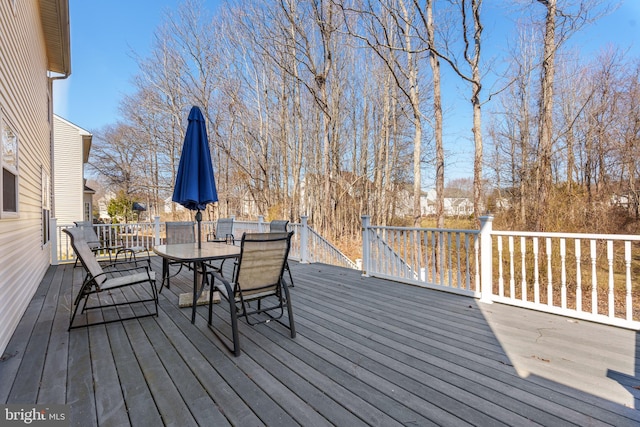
{"points": [[368, 352]]}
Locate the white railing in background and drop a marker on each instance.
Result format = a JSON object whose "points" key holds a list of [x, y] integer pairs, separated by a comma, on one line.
{"points": [[584, 276], [436, 258], [306, 245], [322, 251]]}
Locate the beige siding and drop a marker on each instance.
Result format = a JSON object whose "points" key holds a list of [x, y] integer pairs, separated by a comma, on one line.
{"points": [[24, 95], [68, 180]]}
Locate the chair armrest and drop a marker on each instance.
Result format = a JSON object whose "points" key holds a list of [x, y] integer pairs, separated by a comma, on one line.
{"points": [[225, 287]]}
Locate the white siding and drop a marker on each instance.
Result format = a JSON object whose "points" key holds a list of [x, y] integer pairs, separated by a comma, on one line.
{"points": [[68, 182], [24, 97]]}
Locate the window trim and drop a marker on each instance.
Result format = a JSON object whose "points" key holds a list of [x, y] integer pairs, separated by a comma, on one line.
{"points": [[9, 214]]}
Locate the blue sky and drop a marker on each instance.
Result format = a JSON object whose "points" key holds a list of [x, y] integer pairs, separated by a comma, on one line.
{"points": [[105, 37], [106, 34]]}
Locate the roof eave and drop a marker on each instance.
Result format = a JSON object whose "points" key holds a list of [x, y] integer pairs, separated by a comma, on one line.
{"points": [[54, 16]]}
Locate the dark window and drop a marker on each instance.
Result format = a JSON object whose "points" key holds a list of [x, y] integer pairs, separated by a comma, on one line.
{"points": [[9, 196]]}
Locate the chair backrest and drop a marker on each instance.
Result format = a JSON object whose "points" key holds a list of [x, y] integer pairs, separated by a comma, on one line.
{"points": [[224, 228], [180, 232], [84, 253], [89, 233], [262, 260], [279, 226]]}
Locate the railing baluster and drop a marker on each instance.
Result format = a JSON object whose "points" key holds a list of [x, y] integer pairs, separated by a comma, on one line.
{"points": [[578, 277], [594, 279], [610, 262], [627, 261], [442, 257], [476, 249], [536, 272], [450, 259], [563, 273], [433, 257], [468, 267], [512, 279], [500, 272], [459, 267], [523, 254], [549, 273]]}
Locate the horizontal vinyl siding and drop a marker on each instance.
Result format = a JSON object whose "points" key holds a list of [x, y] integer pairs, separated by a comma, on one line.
{"points": [[68, 182], [23, 99]]}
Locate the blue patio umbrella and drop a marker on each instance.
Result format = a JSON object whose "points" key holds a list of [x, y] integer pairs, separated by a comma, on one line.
{"points": [[195, 184]]}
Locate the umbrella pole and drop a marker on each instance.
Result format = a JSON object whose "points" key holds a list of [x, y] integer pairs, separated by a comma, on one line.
{"points": [[199, 219]]}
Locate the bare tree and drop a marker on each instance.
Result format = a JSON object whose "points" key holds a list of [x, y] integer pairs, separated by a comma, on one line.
{"points": [[117, 155], [390, 33], [561, 20]]}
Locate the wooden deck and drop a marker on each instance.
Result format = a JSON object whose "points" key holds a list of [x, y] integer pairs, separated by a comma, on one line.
{"points": [[368, 352]]}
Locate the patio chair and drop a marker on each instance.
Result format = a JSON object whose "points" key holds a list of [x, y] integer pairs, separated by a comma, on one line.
{"points": [[95, 243], [177, 232], [222, 234], [223, 231], [280, 226], [257, 279], [133, 248], [101, 282]]}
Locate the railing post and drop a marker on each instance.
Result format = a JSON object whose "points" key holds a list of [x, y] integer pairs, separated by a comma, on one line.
{"points": [[53, 240], [304, 240], [486, 259], [260, 223], [366, 223], [156, 227]]}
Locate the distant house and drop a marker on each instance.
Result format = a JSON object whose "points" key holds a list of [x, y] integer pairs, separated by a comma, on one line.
{"points": [[103, 204], [458, 206], [171, 206], [34, 36], [71, 197], [453, 206]]}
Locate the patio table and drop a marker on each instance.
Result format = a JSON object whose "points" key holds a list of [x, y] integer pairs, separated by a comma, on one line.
{"points": [[190, 253]]}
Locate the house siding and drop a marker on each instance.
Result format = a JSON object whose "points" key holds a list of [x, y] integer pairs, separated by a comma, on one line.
{"points": [[25, 95], [68, 172]]}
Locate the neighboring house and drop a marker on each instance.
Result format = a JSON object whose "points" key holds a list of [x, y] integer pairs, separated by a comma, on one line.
{"points": [[458, 206], [103, 206], [35, 50], [453, 206], [171, 206], [72, 199]]}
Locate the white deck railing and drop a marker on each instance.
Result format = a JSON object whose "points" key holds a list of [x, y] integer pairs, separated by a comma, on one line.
{"points": [[306, 245], [584, 276], [443, 259]]}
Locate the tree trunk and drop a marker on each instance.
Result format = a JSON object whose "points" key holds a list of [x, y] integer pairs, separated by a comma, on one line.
{"points": [[546, 116]]}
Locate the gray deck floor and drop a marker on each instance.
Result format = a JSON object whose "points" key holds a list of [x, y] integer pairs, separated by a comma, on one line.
{"points": [[368, 352]]}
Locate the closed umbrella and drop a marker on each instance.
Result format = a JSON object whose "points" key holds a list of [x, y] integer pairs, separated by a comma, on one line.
{"points": [[195, 185]]}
